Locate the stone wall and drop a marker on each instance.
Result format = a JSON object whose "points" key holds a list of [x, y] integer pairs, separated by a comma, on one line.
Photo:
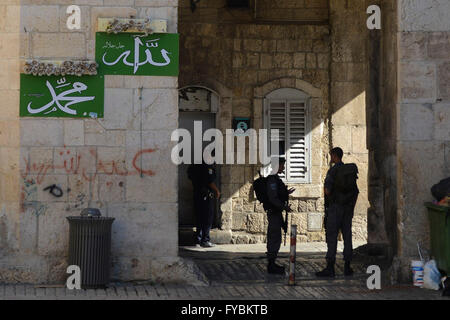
{"points": [[385, 169], [96, 163], [263, 11], [287, 10], [397, 106], [423, 145], [10, 51], [348, 95], [408, 132], [244, 57], [382, 87]]}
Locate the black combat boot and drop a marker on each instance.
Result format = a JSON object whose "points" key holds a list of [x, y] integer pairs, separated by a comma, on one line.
{"points": [[348, 271], [328, 272], [274, 268]]}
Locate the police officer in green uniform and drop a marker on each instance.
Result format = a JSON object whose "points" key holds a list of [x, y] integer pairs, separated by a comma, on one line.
{"points": [[278, 196], [203, 178], [338, 216]]}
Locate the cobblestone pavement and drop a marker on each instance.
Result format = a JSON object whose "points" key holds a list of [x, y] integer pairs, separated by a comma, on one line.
{"points": [[310, 291], [238, 273], [247, 263]]}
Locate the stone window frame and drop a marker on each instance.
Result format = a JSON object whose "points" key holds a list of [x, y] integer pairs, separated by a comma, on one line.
{"points": [[307, 189], [287, 96]]}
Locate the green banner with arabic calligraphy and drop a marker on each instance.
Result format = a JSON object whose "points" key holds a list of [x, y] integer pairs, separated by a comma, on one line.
{"points": [[134, 54], [62, 96]]}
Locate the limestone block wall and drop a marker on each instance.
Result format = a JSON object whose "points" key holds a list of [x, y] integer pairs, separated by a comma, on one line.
{"points": [[282, 10], [96, 162], [348, 95], [244, 57], [382, 129], [10, 51], [268, 11], [423, 115], [385, 157]]}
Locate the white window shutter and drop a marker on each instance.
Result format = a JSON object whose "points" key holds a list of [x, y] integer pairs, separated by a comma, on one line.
{"points": [[287, 110], [297, 168], [277, 120]]}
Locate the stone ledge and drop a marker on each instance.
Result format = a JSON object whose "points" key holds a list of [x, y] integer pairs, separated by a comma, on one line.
{"points": [[186, 236], [221, 236]]}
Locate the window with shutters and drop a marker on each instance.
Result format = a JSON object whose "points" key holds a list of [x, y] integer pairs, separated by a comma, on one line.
{"points": [[288, 111]]}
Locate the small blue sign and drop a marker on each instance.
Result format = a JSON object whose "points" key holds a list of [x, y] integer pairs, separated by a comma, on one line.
{"points": [[241, 125]]}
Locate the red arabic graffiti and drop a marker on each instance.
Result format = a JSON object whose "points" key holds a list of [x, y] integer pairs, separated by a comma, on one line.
{"points": [[70, 167]]}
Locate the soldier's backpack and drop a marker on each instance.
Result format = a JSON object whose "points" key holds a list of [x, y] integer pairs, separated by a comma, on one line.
{"points": [[260, 188], [345, 183]]}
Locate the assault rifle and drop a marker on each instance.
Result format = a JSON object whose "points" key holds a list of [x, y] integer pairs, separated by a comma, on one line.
{"points": [[325, 216], [285, 225]]}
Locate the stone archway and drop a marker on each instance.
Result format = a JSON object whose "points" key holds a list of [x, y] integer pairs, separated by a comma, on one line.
{"points": [[224, 112]]}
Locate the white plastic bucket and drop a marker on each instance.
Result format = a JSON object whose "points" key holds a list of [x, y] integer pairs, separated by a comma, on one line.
{"points": [[417, 270]]}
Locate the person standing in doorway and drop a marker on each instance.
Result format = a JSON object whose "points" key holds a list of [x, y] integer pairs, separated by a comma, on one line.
{"points": [[341, 193], [203, 177]]}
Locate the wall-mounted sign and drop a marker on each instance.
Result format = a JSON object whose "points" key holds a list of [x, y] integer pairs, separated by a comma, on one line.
{"points": [[61, 96], [134, 54], [116, 25], [241, 125]]}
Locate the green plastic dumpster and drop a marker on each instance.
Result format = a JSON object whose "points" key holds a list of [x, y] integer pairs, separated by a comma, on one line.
{"points": [[439, 218]]}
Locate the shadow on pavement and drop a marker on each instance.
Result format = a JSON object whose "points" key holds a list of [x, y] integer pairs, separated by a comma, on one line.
{"points": [[250, 267]]}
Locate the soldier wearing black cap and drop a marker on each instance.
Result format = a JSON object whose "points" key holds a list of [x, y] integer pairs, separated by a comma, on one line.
{"points": [[341, 194]]}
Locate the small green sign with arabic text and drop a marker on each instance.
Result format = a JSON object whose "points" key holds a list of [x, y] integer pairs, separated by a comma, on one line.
{"points": [[62, 96], [134, 54]]}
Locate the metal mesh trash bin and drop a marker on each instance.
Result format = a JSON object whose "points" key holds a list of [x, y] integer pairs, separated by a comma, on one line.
{"points": [[90, 248]]}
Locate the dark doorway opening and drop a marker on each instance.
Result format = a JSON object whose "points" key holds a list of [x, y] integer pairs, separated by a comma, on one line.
{"points": [[197, 104]]}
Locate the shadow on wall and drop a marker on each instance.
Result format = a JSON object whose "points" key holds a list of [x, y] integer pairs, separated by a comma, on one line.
{"points": [[244, 62]]}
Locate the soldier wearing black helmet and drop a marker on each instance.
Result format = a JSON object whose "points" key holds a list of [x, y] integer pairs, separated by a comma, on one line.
{"points": [[277, 196]]}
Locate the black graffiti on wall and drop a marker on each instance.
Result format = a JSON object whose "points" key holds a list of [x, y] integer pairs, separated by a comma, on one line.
{"points": [[55, 190]]}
